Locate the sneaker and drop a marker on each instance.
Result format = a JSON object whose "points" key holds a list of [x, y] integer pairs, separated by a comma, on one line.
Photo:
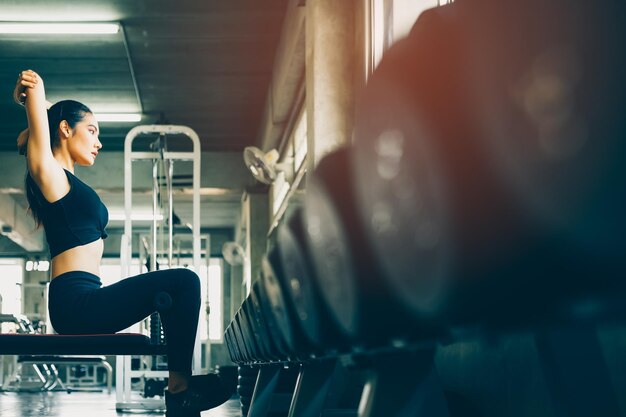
{"points": [[214, 384], [204, 392], [175, 409]]}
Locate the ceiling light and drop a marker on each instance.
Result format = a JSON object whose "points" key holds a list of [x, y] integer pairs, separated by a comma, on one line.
{"points": [[31, 28], [118, 117]]}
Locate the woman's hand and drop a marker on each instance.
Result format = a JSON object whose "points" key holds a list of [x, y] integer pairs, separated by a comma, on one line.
{"points": [[26, 80]]}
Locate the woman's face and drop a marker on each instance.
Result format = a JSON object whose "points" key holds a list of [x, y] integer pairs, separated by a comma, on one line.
{"points": [[83, 141]]}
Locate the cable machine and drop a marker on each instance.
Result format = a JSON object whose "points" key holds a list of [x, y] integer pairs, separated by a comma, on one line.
{"points": [[162, 222]]}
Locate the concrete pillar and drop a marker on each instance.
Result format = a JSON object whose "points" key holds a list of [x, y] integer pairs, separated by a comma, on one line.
{"points": [[236, 289], [258, 222], [330, 75]]}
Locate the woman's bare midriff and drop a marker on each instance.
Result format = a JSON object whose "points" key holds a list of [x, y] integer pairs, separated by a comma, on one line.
{"points": [[80, 258]]}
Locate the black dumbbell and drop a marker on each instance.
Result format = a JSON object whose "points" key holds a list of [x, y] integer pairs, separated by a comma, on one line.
{"points": [[300, 286], [454, 237], [348, 275], [550, 115], [278, 311], [270, 335]]}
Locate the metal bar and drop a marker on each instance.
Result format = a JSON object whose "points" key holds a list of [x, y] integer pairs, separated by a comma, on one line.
{"points": [[293, 188], [155, 189], [170, 201], [263, 391], [122, 363], [161, 172], [207, 350], [403, 384], [312, 388], [180, 156], [196, 229], [42, 378], [166, 129], [125, 251]]}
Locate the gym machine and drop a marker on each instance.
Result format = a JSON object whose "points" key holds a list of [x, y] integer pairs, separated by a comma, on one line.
{"points": [[162, 167]]}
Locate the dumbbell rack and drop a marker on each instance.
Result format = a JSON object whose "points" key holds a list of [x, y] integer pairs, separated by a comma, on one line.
{"points": [[398, 383], [124, 372]]}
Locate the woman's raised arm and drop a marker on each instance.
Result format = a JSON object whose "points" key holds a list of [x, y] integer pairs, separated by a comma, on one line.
{"points": [[43, 168]]}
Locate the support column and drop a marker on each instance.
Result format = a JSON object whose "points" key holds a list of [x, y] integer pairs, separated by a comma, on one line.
{"points": [[330, 60], [258, 216], [236, 289]]}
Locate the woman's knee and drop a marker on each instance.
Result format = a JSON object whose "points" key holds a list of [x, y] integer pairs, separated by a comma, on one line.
{"points": [[179, 281], [188, 279]]}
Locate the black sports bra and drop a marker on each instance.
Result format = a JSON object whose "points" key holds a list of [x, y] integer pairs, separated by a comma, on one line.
{"points": [[76, 219]]}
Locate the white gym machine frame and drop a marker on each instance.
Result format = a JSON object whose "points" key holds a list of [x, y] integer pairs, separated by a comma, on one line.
{"points": [[124, 373]]}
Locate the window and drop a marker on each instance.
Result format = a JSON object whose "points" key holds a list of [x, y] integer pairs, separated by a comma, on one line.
{"points": [[380, 29], [406, 12], [296, 148], [300, 141], [211, 288], [11, 281], [391, 20], [280, 189]]}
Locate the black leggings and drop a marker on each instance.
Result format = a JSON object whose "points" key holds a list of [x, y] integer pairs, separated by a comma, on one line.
{"points": [[79, 304]]}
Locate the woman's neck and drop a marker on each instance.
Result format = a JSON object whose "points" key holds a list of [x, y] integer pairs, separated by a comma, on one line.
{"points": [[65, 161]]}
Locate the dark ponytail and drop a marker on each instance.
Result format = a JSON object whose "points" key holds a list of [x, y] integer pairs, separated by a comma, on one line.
{"points": [[72, 112], [68, 110]]}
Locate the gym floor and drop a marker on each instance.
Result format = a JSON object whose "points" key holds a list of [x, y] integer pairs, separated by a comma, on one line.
{"points": [[76, 404]]}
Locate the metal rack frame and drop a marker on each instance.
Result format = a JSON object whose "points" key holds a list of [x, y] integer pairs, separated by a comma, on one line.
{"points": [[124, 373]]}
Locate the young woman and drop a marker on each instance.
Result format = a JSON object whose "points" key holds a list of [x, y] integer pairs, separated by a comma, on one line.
{"points": [[74, 220]]}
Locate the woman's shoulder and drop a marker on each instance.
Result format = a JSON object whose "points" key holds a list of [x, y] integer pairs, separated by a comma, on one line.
{"points": [[70, 177], [60, 197]]}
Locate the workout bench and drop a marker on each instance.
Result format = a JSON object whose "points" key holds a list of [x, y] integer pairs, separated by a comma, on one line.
{"points": [[95, 344], [92, 344], [52, 379], [118, 344]]}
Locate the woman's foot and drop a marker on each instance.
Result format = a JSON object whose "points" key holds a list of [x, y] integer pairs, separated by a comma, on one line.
{"points": [[203, 392], [215, 382]]}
